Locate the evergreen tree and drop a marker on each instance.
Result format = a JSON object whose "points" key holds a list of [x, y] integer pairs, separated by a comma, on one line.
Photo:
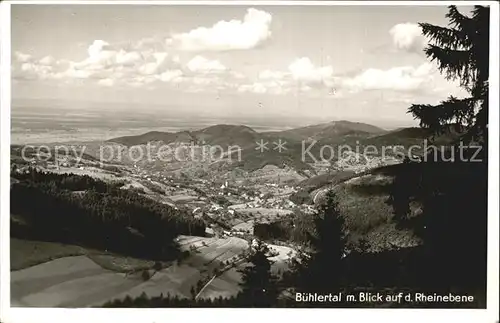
{"points": [[453, 192], [320, 270], [461, 52], [259, 284], [401, 192]]}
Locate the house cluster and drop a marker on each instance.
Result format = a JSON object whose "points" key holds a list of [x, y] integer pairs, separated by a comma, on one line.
{"points": [[361, 163], [307, 209]]}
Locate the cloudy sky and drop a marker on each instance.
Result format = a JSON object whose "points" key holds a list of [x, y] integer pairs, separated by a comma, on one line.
{"points": [[336, 62]]}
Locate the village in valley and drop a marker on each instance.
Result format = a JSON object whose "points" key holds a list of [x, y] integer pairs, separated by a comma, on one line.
{"points": [[229, 200]]}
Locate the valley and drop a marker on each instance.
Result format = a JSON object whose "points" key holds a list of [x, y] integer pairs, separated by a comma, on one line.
{"points": [[229, 196], [255, 156]]}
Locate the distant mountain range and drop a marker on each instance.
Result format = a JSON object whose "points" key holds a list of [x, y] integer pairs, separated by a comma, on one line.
{"points": [[354, 134], [223, 134], [332, 129]]}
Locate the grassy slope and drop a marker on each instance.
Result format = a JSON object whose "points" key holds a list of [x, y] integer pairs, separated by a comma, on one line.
{"points": [[368, 216], [28, 253], [303, 196]]}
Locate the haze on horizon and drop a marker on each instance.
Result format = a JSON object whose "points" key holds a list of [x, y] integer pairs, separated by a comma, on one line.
{"points": [[304, 63]]}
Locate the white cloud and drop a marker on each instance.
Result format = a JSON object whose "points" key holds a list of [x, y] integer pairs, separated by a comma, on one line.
{"points": [[100, 54], [303, 69], [408, 36], [47, 60], [257, 87], [227, 35], [33, 70], [406, 78], [148, 68], [151, 60], [22, 57], [201, 64], [301, 72], [24, 66], [106, 61], [139, 80], [268, 86], [425, 70], [271, 75], [111, 65], [77, 73], [155, 63], [97, 47], [160, 57], [237, 75], [169, 76], [305, 88], [106, 82], [202, 80], [127, 58]]}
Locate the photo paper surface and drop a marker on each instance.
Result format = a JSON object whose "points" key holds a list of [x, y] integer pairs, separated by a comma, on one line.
{"points": [[256, 155]]}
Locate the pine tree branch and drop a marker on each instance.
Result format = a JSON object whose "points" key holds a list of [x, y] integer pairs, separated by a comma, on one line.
{"points": [[446, 37], [457, 19], [455, 63], [481, 17], [480, 50], [479, 131], [437, 118]]}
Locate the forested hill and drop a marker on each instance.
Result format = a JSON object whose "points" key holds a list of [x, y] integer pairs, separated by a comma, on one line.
{"points": [[92, 213]]}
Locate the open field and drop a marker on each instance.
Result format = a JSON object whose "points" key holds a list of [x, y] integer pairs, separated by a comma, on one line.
{"points": [[282, 255], [274, 174], [27, 253], [227, 284], [80, 280], [90, 280], [65, 282]]}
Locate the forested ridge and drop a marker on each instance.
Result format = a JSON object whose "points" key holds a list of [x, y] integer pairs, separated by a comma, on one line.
{"points": [[92, 213]]}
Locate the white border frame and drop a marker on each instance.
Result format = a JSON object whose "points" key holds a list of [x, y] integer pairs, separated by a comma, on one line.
{"points": [[51, 315]]}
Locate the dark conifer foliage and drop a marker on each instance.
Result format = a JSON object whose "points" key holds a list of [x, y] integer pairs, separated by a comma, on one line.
{"points": [[89, 212], [450, 183], [320, 269], [461, 52], [259, 284]]}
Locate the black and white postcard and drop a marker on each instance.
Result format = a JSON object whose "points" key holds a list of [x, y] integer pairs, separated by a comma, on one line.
{"points": [[247, 155]]}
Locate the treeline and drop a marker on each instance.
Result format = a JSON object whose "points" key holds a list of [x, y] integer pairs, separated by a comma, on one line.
{"points": [[69, 182], [86, 211], [303, 196], [162, 301], [296, 228]]}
